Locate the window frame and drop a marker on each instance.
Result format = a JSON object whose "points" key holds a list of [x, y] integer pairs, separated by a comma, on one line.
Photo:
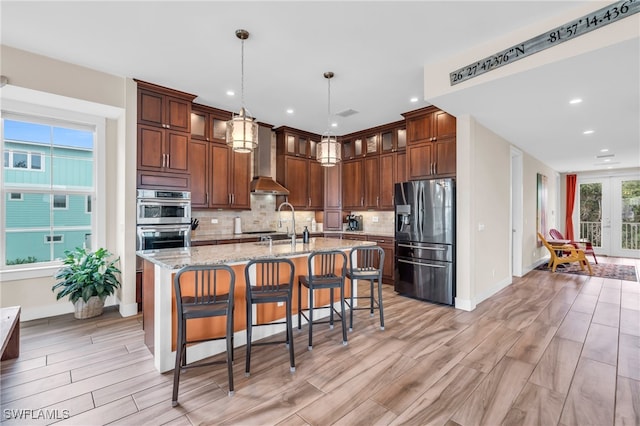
{"points": [[70, 118]]}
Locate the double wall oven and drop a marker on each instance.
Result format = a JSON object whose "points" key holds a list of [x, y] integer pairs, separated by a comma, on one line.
{"points": [[163, 219]]}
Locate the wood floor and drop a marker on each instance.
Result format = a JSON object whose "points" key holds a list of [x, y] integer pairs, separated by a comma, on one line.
{"points": [[549, 349]]}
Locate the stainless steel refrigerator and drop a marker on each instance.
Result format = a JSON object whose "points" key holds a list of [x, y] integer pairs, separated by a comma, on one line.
{"points": [[425, 232]]}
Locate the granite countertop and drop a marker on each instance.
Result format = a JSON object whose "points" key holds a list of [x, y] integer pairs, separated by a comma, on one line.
{"points": [[245, 236], [176, 258], [379, 233]]}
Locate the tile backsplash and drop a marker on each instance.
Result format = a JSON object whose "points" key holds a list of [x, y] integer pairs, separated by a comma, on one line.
{"points": [[264, 217]]}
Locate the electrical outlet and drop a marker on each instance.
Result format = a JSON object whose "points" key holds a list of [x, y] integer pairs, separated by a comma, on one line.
{"points": [[214, 220], [280, 303], [375, 219]]}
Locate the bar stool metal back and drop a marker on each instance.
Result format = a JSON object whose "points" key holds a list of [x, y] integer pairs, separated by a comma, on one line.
{"points": [[365, 263], [327, 270], [271, 283], [203, 291]]}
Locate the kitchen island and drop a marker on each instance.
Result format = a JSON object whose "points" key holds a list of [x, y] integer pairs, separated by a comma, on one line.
{"points": [[159, 308]]}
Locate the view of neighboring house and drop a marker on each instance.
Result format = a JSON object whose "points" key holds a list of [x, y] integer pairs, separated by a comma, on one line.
{"points": [[49, 171]]}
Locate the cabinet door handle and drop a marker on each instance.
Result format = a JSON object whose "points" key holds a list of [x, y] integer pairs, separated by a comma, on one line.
{"points": [[362, 201], [309, 202], [233, 198], [377, 201], [206, 198], [435, 168], [167, 160]]}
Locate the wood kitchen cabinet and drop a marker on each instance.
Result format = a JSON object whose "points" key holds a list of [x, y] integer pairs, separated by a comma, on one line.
{"points": [[352, 148], [371, 182], [387, 244], [298, 170], [431, 144], [162, 150], [429, 124], [333, 198], [163, 137], [431, 159], [220, 178], [352, 185], [209, 124], [162, 107]]}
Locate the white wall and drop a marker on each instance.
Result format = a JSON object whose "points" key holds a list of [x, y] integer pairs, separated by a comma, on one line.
{"points": [[66, 86], [484, 210]]}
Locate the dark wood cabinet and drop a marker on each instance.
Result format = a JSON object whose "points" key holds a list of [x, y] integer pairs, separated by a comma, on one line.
{"points": [[208, 123], [401, 167], [387, 244], [333, 198], [298, 170], [164, 108], [431, 144], [296, 143], [432, 159], [352, 148], [164, 122], [352, 185], [162, 150], [371, 182], [393, 139], [388, 166], [220, 178], [429, 124]]}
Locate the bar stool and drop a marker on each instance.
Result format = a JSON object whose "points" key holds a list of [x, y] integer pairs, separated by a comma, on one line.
{"points": [[363, 261], [203, 291], [324, 276], [273, 283]]}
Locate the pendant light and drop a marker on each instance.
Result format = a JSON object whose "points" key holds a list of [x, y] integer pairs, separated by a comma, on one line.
{"points": [[328, 151], [242, 130]]}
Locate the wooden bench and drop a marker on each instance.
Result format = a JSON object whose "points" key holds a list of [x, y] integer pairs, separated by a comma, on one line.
{"points": [[10, 332]]}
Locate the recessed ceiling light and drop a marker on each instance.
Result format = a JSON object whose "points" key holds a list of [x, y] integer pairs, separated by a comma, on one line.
{"points": [[575, 101], [231, 93], [604, 150], [334, 124], [289, 111], [587, 132], [414, 99], [606, 160]]}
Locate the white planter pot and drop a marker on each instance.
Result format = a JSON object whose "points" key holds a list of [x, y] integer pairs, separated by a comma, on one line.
{"points": [[91, 308]]}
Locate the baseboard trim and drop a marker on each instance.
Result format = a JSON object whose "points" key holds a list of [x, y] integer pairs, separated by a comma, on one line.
{"points": [[464, 304]]}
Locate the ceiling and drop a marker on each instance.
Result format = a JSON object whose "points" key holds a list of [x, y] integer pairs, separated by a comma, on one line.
{"points": [[377, 51]]}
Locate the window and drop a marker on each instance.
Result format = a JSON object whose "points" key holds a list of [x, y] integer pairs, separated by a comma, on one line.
{"points": [[59, 201], [49, 165], [22, 160]]}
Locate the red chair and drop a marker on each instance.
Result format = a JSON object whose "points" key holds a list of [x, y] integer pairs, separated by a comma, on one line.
{"points": [[585, 246]]}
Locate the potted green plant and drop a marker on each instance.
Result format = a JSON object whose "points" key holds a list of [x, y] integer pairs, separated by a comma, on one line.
{"points": [[87, 278]]}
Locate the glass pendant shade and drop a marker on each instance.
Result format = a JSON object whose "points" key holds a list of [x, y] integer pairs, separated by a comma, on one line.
{"points": [[328, 153], [242, 132]]}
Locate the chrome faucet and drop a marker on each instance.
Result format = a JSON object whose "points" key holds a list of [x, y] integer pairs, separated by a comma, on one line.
{"points": [[293, 219]]}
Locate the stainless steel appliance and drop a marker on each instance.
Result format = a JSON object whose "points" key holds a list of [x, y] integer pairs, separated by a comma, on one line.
{"points": [[164, 219], [354, 222], [156, 207], [425, 239]]}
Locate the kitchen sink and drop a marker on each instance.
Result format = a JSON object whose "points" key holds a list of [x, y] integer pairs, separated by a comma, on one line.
{"points": [[278, 242]]}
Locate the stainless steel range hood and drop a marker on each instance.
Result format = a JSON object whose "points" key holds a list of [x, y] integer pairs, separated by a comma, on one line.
{"points": [[262, 182]]}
